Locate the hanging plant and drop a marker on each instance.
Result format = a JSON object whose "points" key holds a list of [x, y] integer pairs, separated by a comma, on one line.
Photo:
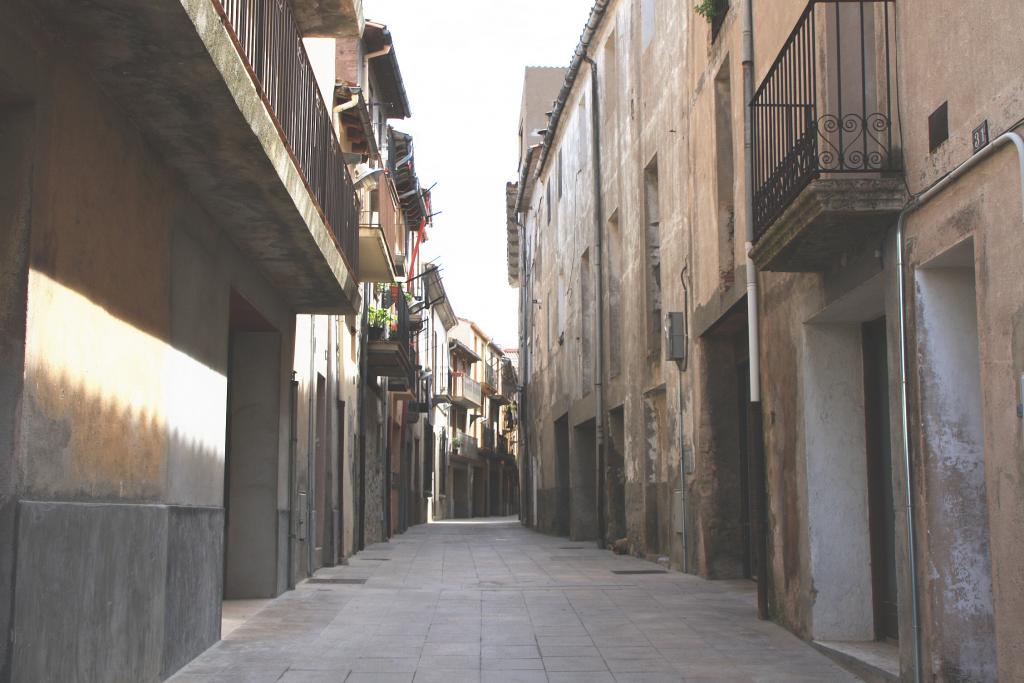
{"points": [[709, 9], [379, 318]]}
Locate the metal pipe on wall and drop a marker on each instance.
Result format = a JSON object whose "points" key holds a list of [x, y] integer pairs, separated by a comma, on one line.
{"points": [[599, 419], [755, 427]]}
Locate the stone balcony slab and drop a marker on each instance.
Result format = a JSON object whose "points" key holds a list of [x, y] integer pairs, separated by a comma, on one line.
{"points": [[830, 217]]}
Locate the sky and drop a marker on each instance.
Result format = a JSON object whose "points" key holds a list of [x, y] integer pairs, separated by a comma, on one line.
{"points": [[462, 62]]}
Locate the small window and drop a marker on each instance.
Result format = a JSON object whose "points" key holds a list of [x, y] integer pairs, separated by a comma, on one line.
{"points": [[559, 174], [938, 127], [547, 201], [721, 10]]}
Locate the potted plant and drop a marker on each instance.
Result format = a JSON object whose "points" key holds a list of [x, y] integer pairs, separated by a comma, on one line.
{"points": [[379, 319], [709, 9]]}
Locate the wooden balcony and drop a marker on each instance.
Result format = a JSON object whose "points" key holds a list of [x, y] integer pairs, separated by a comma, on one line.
{"points": [[466, 391], [382, 236]]}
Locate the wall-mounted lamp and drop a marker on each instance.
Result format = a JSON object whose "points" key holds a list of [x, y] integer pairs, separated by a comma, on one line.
{"points": [[366, 177]]}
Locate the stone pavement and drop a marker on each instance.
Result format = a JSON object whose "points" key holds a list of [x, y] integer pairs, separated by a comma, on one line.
{"points": [[490, 601]]}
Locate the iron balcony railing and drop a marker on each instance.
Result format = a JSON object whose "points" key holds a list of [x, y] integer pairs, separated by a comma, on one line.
{"points": [[503, 444], [387, 217], [465, 445], [491, 377], [465, 387], [487, 437], [826, 104], [403, 333], [267, 36]]}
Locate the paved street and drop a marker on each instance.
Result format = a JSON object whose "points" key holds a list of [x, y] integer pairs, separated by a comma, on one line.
{"points": [[487, 600]]}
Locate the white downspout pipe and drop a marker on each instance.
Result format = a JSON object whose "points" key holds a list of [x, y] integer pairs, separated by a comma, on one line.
{"points": [[755, 424], [748, 151], [1005, 139]]}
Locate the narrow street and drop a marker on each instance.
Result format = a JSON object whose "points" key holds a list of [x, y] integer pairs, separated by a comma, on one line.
{"points": [[488, 600]]}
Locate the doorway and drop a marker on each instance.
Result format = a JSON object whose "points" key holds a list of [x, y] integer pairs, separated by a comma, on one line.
{"points": [[881, 507], [730, 544], [460, 492], [615, 476], [955, 510], [583, 498], [251, 459], [320, 471], [560, 502]]}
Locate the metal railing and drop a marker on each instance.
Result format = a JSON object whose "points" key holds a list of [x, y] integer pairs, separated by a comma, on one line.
{"points": [[464, 386], [826, 104], [388, 217], [267, 36], [487, 437], [464, 444], [491, 377], [403, 333], [503, 444]]}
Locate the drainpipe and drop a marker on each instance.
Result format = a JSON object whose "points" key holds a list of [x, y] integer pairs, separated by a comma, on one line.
{"points": [[908, 471], [755, 426], [311, 457], [595, 125], [345, 106]]}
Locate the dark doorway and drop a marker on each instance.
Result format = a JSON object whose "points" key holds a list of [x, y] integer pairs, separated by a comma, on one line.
{"points": [[339, 481], [460, 492], [881, 513], [560, 500], [615, 476], [251, 462], [320, 469], [584, 482], [730, 542]]}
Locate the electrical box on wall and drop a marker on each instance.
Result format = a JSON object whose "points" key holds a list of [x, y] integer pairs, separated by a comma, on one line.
{"points": [[675, 337], [300, 517]]}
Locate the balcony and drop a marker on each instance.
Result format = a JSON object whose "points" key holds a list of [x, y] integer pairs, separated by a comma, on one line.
{"points": [[466, 391], [224, 93], [503, 445], [490, 379], [382, 237], [487, 440], [390, 351], [465, 445], [827, 166]]}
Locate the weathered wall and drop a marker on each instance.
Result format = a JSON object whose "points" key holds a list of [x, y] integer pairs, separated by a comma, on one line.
{"points": [[15, 194], [672, 101], [121, 429]]}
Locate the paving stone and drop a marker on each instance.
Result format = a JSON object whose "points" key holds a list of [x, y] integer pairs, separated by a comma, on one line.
{"points": [[455, 603]]}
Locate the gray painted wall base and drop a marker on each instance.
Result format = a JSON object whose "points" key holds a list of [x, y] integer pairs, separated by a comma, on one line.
{"points": [[112, 592]]}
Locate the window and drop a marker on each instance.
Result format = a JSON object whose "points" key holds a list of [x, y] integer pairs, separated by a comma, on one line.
{"points": [[587, 331], [547, 202], [721, 10], [725, 177], [560, 179], [610, 67], [938, 127], [613, 246], [647, 18], [652, 234]]}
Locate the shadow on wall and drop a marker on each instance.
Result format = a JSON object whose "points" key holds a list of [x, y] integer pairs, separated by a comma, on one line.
{"points": [[105, 590]]}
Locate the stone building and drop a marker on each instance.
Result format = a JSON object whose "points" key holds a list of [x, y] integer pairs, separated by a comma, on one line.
{"points": [[481, 475], [766, 418], [197, 215]]}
